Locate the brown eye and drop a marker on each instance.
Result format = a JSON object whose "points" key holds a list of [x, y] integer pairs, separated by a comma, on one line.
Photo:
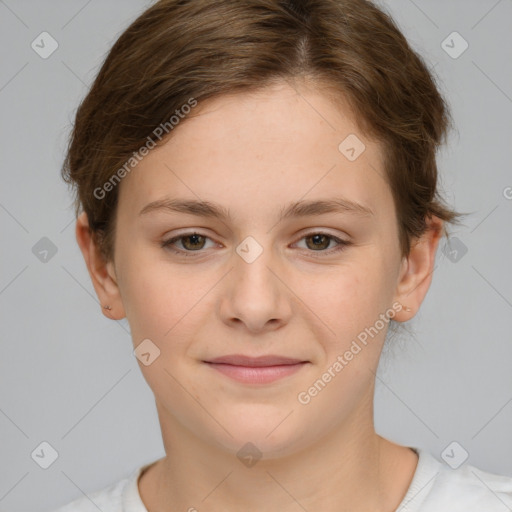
{"points": [[318, 241], [190, 243], [196, 242]]}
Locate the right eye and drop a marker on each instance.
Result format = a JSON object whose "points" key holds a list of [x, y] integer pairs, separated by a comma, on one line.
{"points": [[192, 242]]}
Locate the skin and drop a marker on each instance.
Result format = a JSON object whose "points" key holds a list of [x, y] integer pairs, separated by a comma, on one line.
{"points": [[254, 154]]}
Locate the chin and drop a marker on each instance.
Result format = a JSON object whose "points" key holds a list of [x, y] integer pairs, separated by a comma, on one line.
{"points": [[262, 439]]}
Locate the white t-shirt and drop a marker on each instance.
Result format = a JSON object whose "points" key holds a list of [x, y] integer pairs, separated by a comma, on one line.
{"points": [[435, 487]]}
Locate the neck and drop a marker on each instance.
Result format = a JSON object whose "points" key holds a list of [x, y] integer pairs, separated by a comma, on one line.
{"points": [[351, 468]]}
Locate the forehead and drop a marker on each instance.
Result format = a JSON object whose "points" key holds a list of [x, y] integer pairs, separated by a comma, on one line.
{"points": [[280, 144]]}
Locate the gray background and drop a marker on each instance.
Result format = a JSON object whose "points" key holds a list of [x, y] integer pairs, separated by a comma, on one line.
{"points": [[68, 375]]}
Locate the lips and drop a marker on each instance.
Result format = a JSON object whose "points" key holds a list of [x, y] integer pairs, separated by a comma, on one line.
{"points": [[258, 371], [255, 362]]}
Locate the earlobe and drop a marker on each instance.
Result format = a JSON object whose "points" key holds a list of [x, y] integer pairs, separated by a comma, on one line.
{"points": [[101, 272], [417, 270]]}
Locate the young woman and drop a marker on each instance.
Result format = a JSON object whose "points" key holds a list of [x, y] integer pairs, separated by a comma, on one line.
{"points": [[256, 191]]}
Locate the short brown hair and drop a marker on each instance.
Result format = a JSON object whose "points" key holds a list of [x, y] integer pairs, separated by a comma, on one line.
{"points": [[182, 49]]}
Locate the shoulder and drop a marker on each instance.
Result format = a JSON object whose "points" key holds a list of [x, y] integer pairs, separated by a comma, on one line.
{"points": [[107, 499], [471, 489], [436, 487], [120, 496]]}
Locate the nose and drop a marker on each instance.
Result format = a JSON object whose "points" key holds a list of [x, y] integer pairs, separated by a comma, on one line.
{"points": [[255, 296]]}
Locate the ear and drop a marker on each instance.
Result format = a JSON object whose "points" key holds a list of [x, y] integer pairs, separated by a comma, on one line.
{"points": [[417, 270], [102, 273]]}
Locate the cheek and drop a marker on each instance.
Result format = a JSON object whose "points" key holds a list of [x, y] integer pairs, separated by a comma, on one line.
{"points": [[150, 297], [346, 301], [342, 294], [161, 301]]}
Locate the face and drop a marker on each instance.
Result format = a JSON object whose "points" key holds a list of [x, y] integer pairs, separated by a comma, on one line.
{"points": [[308, 282]]}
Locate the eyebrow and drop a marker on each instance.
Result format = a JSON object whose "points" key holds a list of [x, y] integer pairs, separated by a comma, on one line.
{"points": [[297, 209]]}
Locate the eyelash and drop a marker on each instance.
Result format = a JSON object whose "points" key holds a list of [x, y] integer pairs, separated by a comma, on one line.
{"points": [[342, 244]]}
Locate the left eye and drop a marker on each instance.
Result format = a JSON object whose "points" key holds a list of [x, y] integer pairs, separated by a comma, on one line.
{"points": [[194, 242], [320, 241]]}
